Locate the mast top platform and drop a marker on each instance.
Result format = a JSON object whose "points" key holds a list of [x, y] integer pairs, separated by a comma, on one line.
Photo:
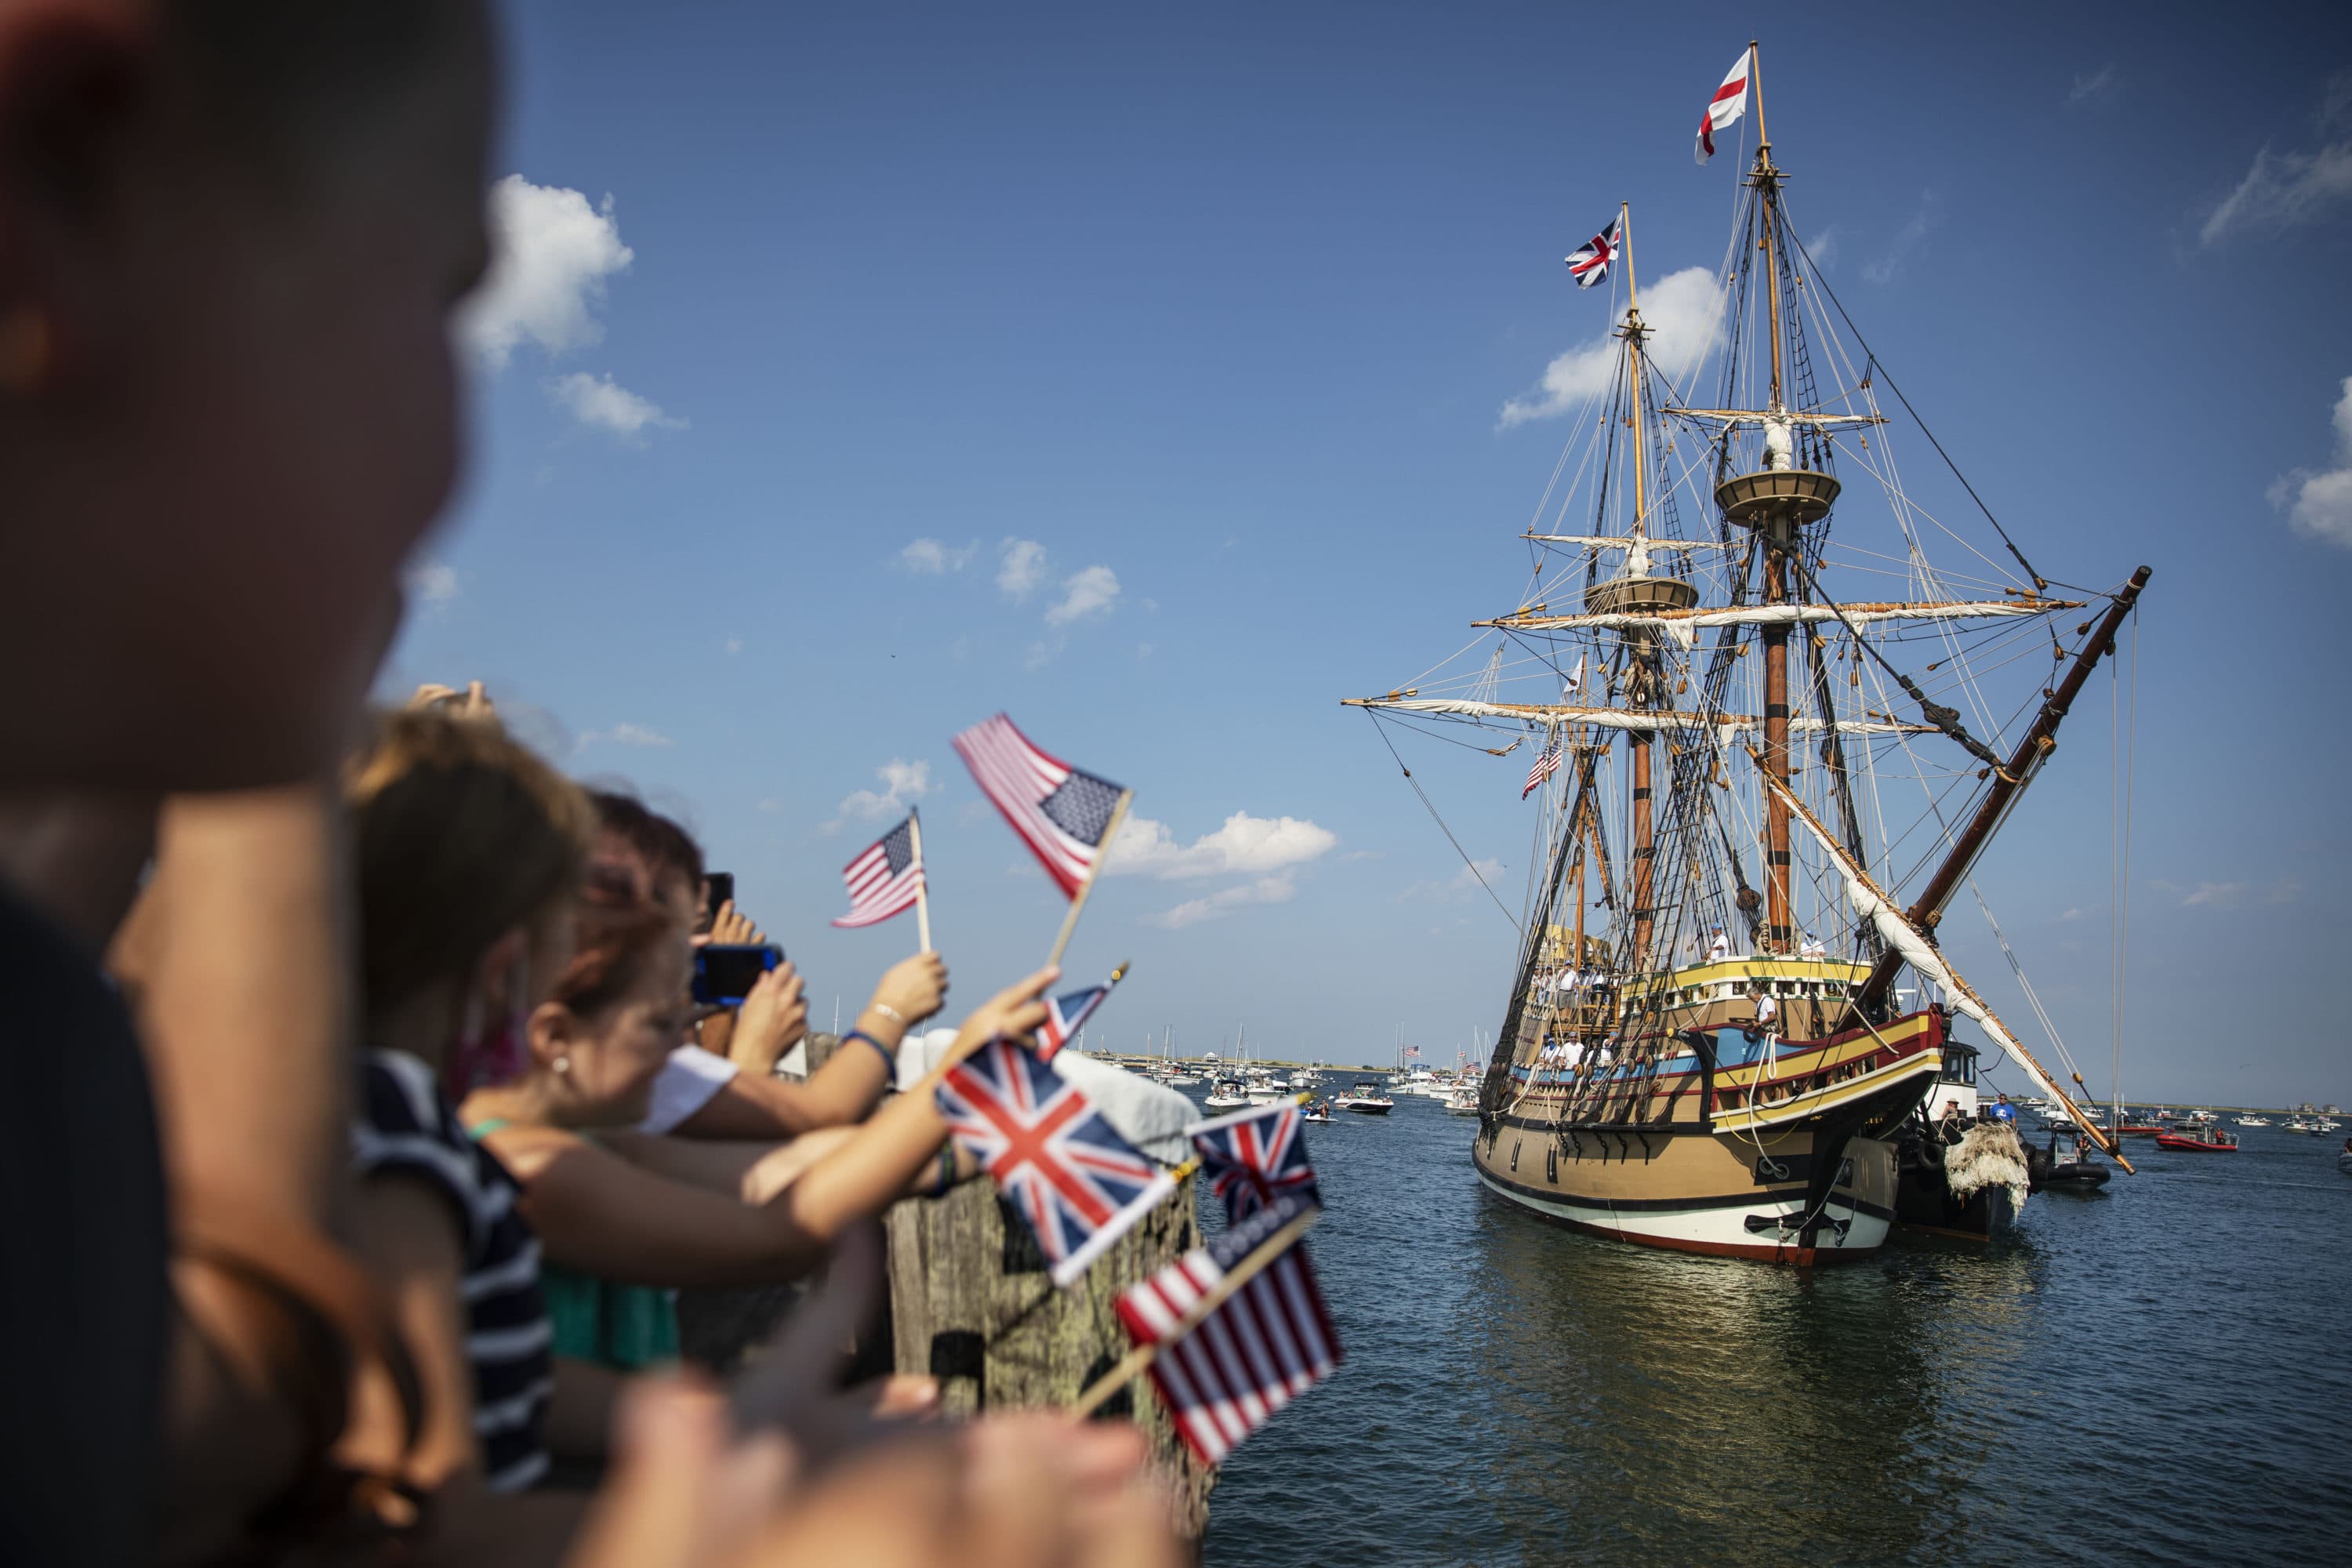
{"points": [[1636, 594], [1800, 494]]}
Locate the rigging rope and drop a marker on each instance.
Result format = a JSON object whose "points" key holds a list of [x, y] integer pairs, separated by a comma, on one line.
{"points": [[1872, 365], [1433, 817]]}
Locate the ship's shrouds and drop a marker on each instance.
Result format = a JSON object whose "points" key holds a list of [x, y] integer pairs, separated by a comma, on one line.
{"points": [[885, 880], [1269, 1342], [1589, 263], [1253, 1157], [1546, 765], [1062, 814], [1076, 1183], [1724, 110]]}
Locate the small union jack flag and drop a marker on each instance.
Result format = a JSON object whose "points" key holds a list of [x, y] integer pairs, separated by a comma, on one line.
{"points": [[1254, 1156], [1065, 1014], [1224, 1374], [1589, 263], [1546, 765], [1076, 1181]]}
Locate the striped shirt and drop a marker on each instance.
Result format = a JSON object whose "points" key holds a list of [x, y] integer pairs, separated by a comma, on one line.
{"points": [[406, 1128]]}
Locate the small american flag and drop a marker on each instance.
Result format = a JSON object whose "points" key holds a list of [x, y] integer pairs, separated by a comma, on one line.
{"points": [[1066, 1013], [1060, 813], [1076, 1183], [884, 877], [1254, 1156], [1589, 263], [1546, 765], [1269, 1342]]}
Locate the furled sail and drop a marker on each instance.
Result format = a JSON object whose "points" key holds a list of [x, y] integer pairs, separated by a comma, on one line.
{"points": [[1684, 626], [1644, 720], [1923, 956]]}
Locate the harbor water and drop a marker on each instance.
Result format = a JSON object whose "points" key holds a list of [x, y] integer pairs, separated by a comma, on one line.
{"points": [[2153, 1374]]}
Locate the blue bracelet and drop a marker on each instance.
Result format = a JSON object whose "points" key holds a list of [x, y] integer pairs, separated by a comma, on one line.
{"points": [[890, 1057]]}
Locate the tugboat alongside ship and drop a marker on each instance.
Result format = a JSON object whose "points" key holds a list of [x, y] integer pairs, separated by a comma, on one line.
{"points": [[1717, 740]]}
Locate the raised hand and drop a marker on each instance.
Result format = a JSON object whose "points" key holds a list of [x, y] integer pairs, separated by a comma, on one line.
{"points": [[734, 927], [774, 1017], [1015, 1011], [912, 989]]}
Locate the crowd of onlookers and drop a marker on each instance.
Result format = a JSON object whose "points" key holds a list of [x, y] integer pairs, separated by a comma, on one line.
{"points": [[359, 1126]]}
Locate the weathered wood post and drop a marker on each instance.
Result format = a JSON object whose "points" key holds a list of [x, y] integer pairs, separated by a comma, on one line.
{"points": [[970, 1303]]}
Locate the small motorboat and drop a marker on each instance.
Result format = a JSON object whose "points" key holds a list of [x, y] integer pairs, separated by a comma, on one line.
{"points": [[1318, 1111], [1365, 1099], [2253, 1122], [2202, 1140], [2297, 1124], [2343, 1160], [1464, 1100], [1226, 1094]]}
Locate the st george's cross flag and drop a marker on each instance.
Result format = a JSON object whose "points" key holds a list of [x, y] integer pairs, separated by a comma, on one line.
{"points": [[1078, 1183], [1589, 263], [1067, 1014], [1546, 765], [1724, 110], [1062, 814], [1253, 1157], [1268, 1343], [885, 880]]}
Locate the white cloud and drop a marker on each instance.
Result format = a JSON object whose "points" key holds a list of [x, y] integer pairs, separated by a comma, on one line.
{"points": [[2285, 891], [1192, 912], [1463, 885], [2284, 189], [734, 645], [1143, 650], [552, 253], [1245, 845], [1908, 240], [430, 582], [2099, 88], [903, 783], [2319, 505], [598, 401], [1683, 312], [2215, 895], [1092, 592], [1021, 566], [628, 734], [934, 559], [1824, 248]]}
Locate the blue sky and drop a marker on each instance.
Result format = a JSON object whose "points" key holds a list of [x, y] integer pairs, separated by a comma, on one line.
{"points": [[1185, 338]]}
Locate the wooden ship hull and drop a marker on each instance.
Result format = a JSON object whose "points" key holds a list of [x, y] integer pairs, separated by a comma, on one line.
{"points": [[1725, 1140]]}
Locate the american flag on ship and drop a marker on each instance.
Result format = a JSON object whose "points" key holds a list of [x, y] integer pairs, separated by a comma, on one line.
{"points": [[1062, 814], [1076, 1181], [885, 877], [1066, 1013], [1589, 264], [1269, 1342], [1254, 1156], [1546, 765]]}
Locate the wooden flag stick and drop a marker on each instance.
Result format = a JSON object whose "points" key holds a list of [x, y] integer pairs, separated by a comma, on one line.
{"points": [[1241, 1273], [922, 889], [1110, 831]]}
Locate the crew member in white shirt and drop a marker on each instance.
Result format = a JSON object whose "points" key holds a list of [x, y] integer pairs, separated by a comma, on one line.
{"points": [[1719, 948]]}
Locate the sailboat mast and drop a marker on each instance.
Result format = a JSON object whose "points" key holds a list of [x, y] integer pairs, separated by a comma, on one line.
{"points": [[1637, 564], [1779, 537]]}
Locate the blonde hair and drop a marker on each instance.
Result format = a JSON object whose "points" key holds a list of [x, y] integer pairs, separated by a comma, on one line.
{"points": [[463, 835]]}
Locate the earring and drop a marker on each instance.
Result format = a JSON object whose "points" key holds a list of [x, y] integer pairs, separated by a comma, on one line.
{"points": [[562, 1064], [24, 349]]}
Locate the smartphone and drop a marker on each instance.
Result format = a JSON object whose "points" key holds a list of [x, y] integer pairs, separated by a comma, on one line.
{"points": [[724, 972], [719, 889]]}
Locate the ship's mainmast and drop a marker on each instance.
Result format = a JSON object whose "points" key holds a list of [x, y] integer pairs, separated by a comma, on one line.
{"points": [[1776, 501]]}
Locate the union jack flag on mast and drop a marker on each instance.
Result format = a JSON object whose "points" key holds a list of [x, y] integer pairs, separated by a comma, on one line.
{"points": [[1589, 263], [1078, 1185]]}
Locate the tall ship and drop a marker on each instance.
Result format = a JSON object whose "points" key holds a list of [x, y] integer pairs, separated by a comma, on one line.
{"points": [[1779, 703]]}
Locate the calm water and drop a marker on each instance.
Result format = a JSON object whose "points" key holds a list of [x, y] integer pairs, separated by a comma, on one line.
{"points": [[2157, 1374]]}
